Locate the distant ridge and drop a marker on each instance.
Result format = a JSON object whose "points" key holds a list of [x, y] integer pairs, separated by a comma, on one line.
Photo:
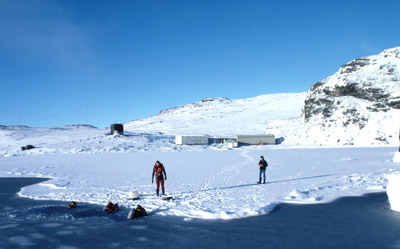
{"points": [[358, 105]]}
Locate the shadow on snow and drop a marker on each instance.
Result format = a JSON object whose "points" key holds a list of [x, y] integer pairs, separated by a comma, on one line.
{"points": [[273, 182]]}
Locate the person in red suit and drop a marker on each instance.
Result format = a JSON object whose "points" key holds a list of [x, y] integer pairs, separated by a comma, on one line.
{"points": [[161, 175]]}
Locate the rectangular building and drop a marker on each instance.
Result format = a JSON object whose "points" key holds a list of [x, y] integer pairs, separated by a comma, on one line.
{"points": [[191, 139], [256, 139]]}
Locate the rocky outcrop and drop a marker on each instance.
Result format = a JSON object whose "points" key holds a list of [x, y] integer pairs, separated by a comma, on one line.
{"points": [[360, 93], [375, 79]]}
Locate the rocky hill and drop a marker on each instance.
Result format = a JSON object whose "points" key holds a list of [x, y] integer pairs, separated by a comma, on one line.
{"points": [[359, 104]]}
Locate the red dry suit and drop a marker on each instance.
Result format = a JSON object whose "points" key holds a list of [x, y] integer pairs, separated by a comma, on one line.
{"points": [[159, 171]]}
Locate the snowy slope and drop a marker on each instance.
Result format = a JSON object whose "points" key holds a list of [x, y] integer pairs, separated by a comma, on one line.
{"points": [[264, 114], [81, 139]]}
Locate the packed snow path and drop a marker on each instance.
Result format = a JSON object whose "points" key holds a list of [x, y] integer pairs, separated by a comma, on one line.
{"points": [[208, 184]]}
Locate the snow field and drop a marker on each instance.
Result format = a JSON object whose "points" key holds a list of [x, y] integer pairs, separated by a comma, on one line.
{"points": [[396, 157], [393, 190], [78, 140], [208, 184]]}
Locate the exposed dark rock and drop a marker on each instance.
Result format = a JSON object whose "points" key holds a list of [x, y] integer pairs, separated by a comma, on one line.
{"points": [[394, 103], [213, 99], [378, 107], [324, 97], [316, 85], [314, 106], [353, 65]]}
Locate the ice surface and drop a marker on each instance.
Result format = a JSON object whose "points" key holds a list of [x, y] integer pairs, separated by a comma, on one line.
{"points": [[207, 183], [47, 224], [396, 158]]}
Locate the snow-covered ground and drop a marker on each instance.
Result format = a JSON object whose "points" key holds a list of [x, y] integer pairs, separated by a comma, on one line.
{"points": [[87, 165], [77, 139], [393, 191]]}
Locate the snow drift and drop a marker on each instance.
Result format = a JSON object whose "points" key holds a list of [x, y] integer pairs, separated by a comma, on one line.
{"points": [[393, 191]]}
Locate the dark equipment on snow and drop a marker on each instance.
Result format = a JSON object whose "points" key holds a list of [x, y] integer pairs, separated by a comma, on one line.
{"points": [[279, 140], [111, 207], [72, 205], [117, 129], [138, 212], [28, 147]]}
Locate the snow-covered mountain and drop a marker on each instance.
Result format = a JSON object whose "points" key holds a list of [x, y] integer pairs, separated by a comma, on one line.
{"points": [[358, 105]]}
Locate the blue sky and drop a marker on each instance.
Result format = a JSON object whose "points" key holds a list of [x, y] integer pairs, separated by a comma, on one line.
{"points": [[99, 62]]}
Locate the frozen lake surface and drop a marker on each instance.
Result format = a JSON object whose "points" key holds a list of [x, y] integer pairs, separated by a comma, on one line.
{"points": [[356, 222]]}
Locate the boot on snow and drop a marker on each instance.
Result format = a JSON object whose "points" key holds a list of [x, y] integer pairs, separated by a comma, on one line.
{"points": [[259, 180], [264, 180]]}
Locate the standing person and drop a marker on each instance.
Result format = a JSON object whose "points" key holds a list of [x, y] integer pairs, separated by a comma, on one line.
{"points": [[159, 171], [263, 166]]}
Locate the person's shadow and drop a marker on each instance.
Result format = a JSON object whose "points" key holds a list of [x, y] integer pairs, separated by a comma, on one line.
{"points": [[273, 182]]}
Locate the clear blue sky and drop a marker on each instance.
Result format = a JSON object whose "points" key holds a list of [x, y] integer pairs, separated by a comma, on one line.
{"points": [[98, 62]]}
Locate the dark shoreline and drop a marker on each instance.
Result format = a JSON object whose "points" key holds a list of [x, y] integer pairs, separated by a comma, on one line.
{"points": [[19, 182], [348, 222]]}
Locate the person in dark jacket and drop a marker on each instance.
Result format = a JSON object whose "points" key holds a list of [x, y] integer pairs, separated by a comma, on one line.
{"points": [[263, 166], [159, 172], [137, 212]]}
